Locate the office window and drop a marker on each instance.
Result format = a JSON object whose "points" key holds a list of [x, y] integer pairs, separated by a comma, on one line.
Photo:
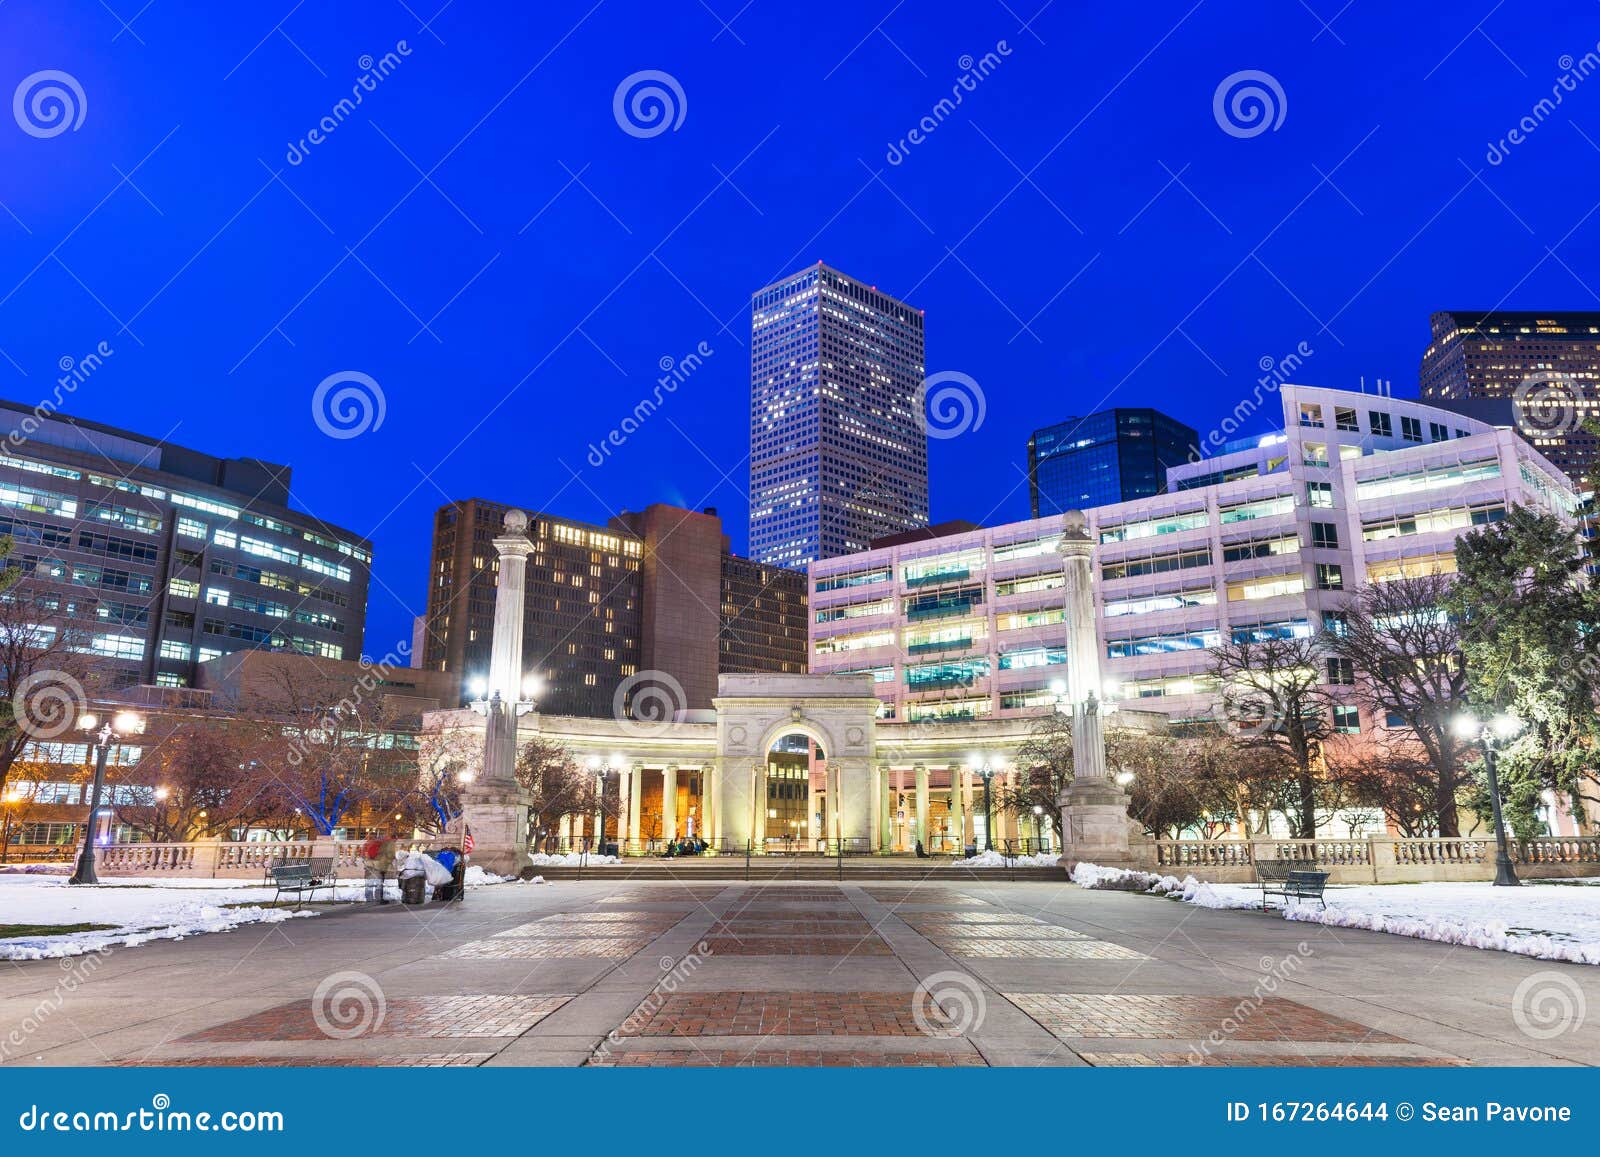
{"points": [[1347, 719], [1330, 577], [1311, 414], [1438, 432], [1324, 534], [1319, 494], [1335, 622], [1411, 429], [1344, 418], [1341, 672], [1382, 426]]}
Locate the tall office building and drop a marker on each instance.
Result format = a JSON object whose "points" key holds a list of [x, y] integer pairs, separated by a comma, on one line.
{"points": [[1113, 456], [654, 590], [1267, 540], [838, 449], [166, 557], [1537, 371]]}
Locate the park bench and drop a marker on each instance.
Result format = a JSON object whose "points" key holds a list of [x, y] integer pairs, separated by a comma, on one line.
{"points": [[1282, 878], [303, 876]]}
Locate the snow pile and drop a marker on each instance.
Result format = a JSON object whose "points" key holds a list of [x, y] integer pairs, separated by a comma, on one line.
{"points": [[992, 859], [138, 911], [570, 860], [476, 877], [1087, 875], [1543, 922]]}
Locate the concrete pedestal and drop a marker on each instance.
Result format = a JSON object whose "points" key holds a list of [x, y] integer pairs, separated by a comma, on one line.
{"points": [[498, 817], [1094, 825]]}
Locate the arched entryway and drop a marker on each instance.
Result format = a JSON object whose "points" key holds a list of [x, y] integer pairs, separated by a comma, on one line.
{"points": [[795, 794]]}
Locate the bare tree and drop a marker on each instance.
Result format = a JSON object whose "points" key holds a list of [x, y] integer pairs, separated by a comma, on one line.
{"points": [[198, 780], [1274, 698], [1395, 776], [1407, 651], [555, 783]]}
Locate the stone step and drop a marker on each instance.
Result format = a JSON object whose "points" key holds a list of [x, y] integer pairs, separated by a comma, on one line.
{"points": [[734, 869]]}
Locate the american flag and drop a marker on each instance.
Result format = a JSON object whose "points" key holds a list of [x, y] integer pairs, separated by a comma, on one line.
{"points": [[467, 842]]}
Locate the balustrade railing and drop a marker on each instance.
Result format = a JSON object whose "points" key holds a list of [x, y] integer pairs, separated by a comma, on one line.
{"points": [[1378, 853]]}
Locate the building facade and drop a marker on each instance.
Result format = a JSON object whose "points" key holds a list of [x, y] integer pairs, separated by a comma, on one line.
{"points": [[165, 557], [1539, 371], [838, 448], [1265, 540], [1113, 456], [608, 608]]}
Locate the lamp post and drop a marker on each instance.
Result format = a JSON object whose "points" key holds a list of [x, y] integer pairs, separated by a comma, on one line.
{"points": [[123, 723], [1487, 733], [488, 702], [1038, 827]]}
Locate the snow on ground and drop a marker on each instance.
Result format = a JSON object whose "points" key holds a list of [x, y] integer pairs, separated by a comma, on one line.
{"points": [[993, 859], [1544, 920], [141, 909], [570, 860]]}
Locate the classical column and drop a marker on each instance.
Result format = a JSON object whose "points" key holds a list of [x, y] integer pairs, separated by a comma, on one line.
{"points": [[635, 800], [958, 811], [969, 832], [495, 807], [624, 790], [564, 833], [830, 819], [1094, 815], [708, 802], [921, 773], [713, 797], [886, 808], [669, 802]]}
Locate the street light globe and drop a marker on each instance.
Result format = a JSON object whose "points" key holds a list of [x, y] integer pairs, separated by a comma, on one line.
{"points": [[1058, 687], [1124, 778], [477, 686], [88, 721], [532, 686], [128, 723], [1505, 725], [161, 793], [594, 762], [1038, 809], [1465, 726], [463, 777]]}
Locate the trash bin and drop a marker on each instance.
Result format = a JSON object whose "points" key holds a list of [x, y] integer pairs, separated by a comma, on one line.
{"points": [[413, 890]]}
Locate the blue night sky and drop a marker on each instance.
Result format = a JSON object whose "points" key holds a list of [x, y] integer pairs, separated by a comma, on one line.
{"points": [[483, 239]]}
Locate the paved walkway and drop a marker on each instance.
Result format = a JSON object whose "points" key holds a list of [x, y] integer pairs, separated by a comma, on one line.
{"points": [[782, 974]]}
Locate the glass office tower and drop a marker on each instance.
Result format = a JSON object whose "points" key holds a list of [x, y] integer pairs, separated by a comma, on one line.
{"points": [[1113, 456], [838, 455]]}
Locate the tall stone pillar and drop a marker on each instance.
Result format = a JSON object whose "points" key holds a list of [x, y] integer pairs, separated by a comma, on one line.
{"points": [[1094, 810], [495, 806], [708, 801], [669, 802], [969, 830], [830, 814], [715, 800]]}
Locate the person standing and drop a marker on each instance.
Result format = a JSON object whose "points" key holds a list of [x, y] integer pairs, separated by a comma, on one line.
{"points": [[378, 856]]}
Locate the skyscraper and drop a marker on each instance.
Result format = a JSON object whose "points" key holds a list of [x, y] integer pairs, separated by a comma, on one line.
{"points": [[159, 558], [1537, 371], [1113, 456], [838, 450], [655, 590]]}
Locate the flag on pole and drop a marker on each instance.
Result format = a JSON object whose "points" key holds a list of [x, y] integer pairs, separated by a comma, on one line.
{"points": [[467, 842]]}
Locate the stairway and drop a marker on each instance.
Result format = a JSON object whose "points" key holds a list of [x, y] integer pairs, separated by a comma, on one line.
{"points": [[906, 870]]}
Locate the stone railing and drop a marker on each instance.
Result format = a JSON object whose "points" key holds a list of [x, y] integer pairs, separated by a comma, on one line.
{"points": [[225, 859], [1381, 859]]}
